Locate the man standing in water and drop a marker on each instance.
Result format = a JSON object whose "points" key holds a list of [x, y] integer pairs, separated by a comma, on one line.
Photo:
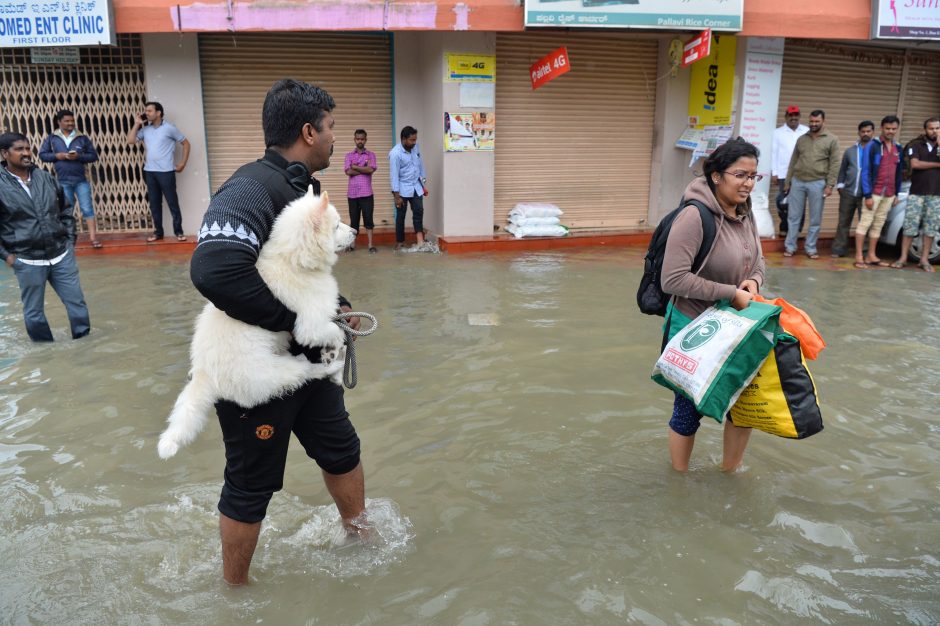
{"points": [[37, 238], [298, 132]]}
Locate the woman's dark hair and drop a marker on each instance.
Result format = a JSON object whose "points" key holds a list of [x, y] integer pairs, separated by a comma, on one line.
{"points": [[8, 139], [726, 154], [288, 106], [63, 113]]}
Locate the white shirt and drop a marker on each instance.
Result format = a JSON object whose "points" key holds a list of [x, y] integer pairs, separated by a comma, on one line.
{"points": [[783, 145]]}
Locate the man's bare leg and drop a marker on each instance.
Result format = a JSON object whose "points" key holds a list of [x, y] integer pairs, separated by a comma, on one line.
{"points": [[349, 493], [238, 546], [420, 236]]}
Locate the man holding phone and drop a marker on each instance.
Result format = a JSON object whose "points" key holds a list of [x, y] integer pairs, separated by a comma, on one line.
{"points": [[160, 138], [69, 151]]}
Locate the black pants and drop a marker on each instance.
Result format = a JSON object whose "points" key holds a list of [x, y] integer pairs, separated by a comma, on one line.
{"points": [[163, 185], [364, 207], [417, 216], [849, 207]]}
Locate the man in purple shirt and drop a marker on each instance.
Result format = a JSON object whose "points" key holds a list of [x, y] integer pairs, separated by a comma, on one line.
{"points": [[359, 166]]}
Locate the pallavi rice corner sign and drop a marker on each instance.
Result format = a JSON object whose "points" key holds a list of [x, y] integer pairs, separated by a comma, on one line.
{"points": [[718, 15], [549, 67], [42, 23]]}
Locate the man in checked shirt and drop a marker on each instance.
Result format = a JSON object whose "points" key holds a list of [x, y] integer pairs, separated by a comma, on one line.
{"points": [[359, 166]]}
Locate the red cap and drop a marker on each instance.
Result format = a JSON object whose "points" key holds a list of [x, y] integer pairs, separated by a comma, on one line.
{"points": [[793, 109]]}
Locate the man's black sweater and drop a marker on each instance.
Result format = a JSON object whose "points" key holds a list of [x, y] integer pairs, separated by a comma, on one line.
{"points": [[237, 224]]}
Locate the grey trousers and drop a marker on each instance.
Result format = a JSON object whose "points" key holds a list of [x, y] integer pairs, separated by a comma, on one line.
{"points": [[800, 192]]}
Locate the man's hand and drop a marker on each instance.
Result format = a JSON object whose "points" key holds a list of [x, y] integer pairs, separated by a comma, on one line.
{"points": [[869, 203], [896, 200], [179, 168], [750, 286], [827, 191], [11, 259], [62, 156], [352, 322], [398, 201], [786, 190]]}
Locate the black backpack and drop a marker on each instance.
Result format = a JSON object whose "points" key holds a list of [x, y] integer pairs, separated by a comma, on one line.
{"points": [[650, 297]]}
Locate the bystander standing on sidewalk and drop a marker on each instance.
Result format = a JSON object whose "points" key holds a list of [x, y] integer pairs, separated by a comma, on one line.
{"points": [[160, 138], [406, 171], [922, 215], [359, 166], [69, 151], [784, 141], [849, 184], [881, 183]]}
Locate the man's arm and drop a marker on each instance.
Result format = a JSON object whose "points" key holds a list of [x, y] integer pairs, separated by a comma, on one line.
{"points": [[223, 267], [91, 154], [865, 169], [843, 170], [65, 212], [46, 152], [834, 160], [774, 157], [793, 159], [186, 147], [132, 133], [394, 168]]}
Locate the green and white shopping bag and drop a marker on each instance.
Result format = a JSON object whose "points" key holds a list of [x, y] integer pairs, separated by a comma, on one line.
{"points": [[714, 357]]}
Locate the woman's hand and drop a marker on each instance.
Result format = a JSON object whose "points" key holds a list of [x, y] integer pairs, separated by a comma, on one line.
{"points": [[742, 299], [750, 285]]}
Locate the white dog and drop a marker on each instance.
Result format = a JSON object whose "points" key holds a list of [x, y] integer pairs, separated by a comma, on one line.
{"points": [[249, 365]]}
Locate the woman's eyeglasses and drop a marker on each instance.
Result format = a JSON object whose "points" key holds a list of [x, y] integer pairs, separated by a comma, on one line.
{"points": [[742, 176]]}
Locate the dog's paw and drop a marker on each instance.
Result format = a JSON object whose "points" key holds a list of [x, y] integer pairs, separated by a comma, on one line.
{"points": [[166, 448]]}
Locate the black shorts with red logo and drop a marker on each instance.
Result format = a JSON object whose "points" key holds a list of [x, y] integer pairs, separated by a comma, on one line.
{"points": [[256, 442]]}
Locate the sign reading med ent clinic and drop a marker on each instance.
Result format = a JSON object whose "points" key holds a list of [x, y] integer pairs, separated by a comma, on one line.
{"points": [[40, 23]]}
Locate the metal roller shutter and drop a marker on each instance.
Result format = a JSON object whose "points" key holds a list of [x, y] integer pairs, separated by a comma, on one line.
{"points": [[354, 69], [584, 140], [922, 95], [849, 83]]}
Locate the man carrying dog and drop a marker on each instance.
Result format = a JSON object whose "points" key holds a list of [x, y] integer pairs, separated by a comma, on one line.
{"points": [[298, 132]]}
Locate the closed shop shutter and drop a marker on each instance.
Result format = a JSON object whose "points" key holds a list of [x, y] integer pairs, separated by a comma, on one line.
{"points": [[354, 69], [582, 141], [849, 83], [105, 90], [922, 95]]}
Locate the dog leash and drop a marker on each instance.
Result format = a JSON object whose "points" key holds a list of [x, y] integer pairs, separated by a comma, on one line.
{"points": [[350, 374]]}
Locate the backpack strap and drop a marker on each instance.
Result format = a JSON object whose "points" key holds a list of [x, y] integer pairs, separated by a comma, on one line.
{"points": [[708, 234]]}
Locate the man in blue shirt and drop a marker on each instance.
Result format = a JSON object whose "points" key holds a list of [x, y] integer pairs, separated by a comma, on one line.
{"points": [[409, 181], [160, 138]]}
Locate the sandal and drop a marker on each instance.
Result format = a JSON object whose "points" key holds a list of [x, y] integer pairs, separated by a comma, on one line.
{"points": [[880, 263], [898, 265], [96, 244], [927, 267], [181, 237], [861, 265], [373, 250], [788, 253], [153, 238]]}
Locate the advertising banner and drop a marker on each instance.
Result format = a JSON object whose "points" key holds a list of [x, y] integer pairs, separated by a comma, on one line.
{"points": [[469, 132], [549, 67], [697, 48], [905, 19], [712, 85], [471, 68], [721, 15], [42, 23]]}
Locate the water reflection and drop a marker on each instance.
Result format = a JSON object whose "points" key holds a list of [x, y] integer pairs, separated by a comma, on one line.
{"points": [[526, 452]]}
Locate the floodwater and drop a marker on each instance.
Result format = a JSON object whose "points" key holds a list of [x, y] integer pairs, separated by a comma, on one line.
{"points": [[515, 456]]}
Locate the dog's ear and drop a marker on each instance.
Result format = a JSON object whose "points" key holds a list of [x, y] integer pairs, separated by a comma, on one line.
{"points": [[310, 191]]}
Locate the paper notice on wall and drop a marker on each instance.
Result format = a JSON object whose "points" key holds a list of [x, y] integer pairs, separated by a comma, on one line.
{"points": [[689, 139], [477, 95]]}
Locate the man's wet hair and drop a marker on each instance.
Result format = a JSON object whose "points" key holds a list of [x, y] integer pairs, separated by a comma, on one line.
{"points": [[63, 113], [865, 123], [818, 113], [891, 119], [408, 131], [8, 139], [725, 155], [288, 106], [360, 131], [931, 120]]}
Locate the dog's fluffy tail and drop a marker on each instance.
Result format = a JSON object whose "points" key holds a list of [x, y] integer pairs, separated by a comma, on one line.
{"points": [[189, 415]]}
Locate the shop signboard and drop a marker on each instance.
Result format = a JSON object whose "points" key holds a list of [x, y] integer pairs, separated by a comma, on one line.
{"points": [[549, 67], [42, 23], [719, 15], [905, 19], [697, 48], [470, 68]]}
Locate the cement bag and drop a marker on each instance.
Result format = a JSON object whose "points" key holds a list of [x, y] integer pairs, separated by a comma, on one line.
{"points": [[781, 400], [714, 358], [535, 209], [537, 230], [534, 221]]}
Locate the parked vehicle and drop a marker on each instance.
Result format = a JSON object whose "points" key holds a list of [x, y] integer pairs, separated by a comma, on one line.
{"points": [[894, 227]]}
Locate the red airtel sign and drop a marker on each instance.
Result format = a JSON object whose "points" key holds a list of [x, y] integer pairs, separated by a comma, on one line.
{"points": [[697, 48], [549, 67]]}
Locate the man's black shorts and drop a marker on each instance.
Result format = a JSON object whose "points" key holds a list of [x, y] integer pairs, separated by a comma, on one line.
{"points": [[256, 442]]}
